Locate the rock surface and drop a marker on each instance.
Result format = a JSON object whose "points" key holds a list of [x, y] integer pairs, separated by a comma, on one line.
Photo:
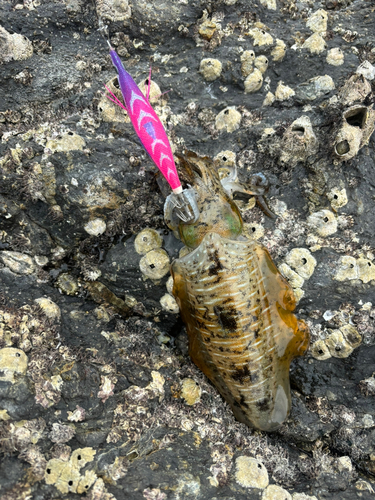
{"points": [[98, 395]]}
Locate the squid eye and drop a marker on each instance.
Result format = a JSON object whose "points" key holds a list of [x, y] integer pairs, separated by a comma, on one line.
{"points": [[259, 183]]}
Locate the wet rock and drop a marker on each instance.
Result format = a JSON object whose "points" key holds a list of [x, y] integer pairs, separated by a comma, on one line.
{"points": [[109, 360]]}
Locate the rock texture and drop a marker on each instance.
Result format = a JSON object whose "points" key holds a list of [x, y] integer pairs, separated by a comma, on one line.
{"points": [[98, 396]]}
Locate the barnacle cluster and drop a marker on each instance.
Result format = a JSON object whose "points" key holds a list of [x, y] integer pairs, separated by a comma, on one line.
{"points": [[357, 120], [65, 474], [317, 23], [351, 268], [337, 342], [298, 267]]}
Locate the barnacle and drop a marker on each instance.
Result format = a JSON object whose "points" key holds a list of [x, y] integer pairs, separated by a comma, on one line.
{"points": [[337, 344], [169, 285], [260, 37], [49, 308], [317, 22], [270, 4], [298, 142], [69, 141], [367, 70], [67, 284], [344, 464], [254, 230], [357, 126], [324, 222], [347, 269], [315, 44], [279, 50], [228, 119], [335, 56], [109, 112], [169, 304], [148, 239], [319, 350], [210, 69], [14, 46], [17, 262], [247, 61], [274, 492], [301, 260], [355, 90], [13, 363], [366, 270], [316, 87], [250, 473], [283, 92], [269, 99], [253, 82], [155, 264], [225, 159], [337, 197], [113, 10], [95, 227], [261, 62], [191, 391]]}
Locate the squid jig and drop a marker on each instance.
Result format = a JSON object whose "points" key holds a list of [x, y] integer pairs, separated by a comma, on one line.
{"points": [[153, 137]]}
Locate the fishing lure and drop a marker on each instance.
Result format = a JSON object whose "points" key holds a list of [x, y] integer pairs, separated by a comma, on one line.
{"points": [[236, 305], [153, 137]]}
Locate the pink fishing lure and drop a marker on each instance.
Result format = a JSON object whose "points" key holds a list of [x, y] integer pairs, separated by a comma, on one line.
{"points": [[147, 125]]}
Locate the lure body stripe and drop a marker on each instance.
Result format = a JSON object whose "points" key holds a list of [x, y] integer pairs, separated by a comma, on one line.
{"points": [[147, 125], [237, 307]]}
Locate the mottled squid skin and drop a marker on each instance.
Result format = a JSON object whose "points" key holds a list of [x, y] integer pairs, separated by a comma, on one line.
{"points": [[237, 307]]}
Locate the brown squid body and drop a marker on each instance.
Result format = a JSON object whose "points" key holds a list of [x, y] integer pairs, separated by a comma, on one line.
{"points": [[238, 312]]}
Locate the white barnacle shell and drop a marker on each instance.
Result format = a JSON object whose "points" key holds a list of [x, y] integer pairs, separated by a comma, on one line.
{"points": [[338, 346], [275, 492], [320, 351], [335, 56], [253, 82], [228, 119], [95, 227], [283, 92], [347, 269], [278, 52], [169, 304], [148, 239], [317, 22], [337, 197], [12, 362], [247, 60], [210, 69], [301, 260], [261, 62], [324, 222], [251, 473], [155, 264], [49, 308]]}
